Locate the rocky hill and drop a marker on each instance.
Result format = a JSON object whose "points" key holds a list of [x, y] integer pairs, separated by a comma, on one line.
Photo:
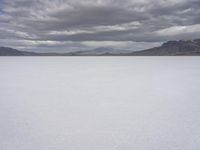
{"points": [[173, 48]]}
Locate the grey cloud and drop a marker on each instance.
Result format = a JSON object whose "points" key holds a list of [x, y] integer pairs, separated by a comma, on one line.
{"points": [[94, 20], [95, 16]]}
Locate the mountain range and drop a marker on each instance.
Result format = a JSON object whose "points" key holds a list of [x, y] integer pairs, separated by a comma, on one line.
{"points": [[170, 48]]}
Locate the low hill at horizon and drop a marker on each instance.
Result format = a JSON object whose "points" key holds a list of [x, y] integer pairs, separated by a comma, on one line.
{"points": [[170, 48]]}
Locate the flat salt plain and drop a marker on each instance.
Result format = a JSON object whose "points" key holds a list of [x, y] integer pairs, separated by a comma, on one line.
{"points": [[100, 103]]}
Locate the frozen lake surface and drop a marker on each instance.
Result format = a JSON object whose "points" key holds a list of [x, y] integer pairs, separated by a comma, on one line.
{"points": [[99, 103]]}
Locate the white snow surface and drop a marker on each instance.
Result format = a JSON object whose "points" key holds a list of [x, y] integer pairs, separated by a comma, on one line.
{"points": [[99, 103]]}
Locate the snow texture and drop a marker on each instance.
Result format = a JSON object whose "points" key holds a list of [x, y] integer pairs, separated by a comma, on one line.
{"points": [[99, 103]]}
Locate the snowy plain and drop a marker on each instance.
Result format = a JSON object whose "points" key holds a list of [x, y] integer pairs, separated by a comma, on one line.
{"points": [[99, 103]]}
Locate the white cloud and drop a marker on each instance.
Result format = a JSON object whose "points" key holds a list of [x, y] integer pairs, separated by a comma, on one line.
{"points": [[96, 44], [176, 30]]}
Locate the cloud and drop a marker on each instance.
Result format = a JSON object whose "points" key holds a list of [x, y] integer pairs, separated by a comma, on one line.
{"points": [[179, 30], [96, 21]]}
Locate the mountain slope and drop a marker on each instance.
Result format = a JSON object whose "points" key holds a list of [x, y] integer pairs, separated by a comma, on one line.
{"points": [[102, 51], [5, 51], [173, 48]]}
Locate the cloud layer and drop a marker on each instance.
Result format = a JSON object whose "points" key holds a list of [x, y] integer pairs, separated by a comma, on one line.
{"points": [[68, 25]]}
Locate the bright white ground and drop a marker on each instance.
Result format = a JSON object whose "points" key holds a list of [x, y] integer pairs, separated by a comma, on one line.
{"points": [[100, 103]]}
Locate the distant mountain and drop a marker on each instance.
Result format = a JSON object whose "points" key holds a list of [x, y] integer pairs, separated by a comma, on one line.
{"points": [[102, 51], [171, 48], [5, 51]]}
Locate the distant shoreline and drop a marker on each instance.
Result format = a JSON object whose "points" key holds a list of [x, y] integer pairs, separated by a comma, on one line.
{"points": [[170, 48]]}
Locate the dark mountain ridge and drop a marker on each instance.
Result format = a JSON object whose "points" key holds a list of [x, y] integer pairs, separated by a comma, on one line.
{"points": [[173, 48], [6, 51], [170, 48]]}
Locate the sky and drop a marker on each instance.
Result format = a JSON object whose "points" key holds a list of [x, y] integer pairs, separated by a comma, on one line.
{"points": [[71, 25]]}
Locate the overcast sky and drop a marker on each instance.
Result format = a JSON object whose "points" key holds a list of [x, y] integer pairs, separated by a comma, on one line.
{"points": [[68, 25]]}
